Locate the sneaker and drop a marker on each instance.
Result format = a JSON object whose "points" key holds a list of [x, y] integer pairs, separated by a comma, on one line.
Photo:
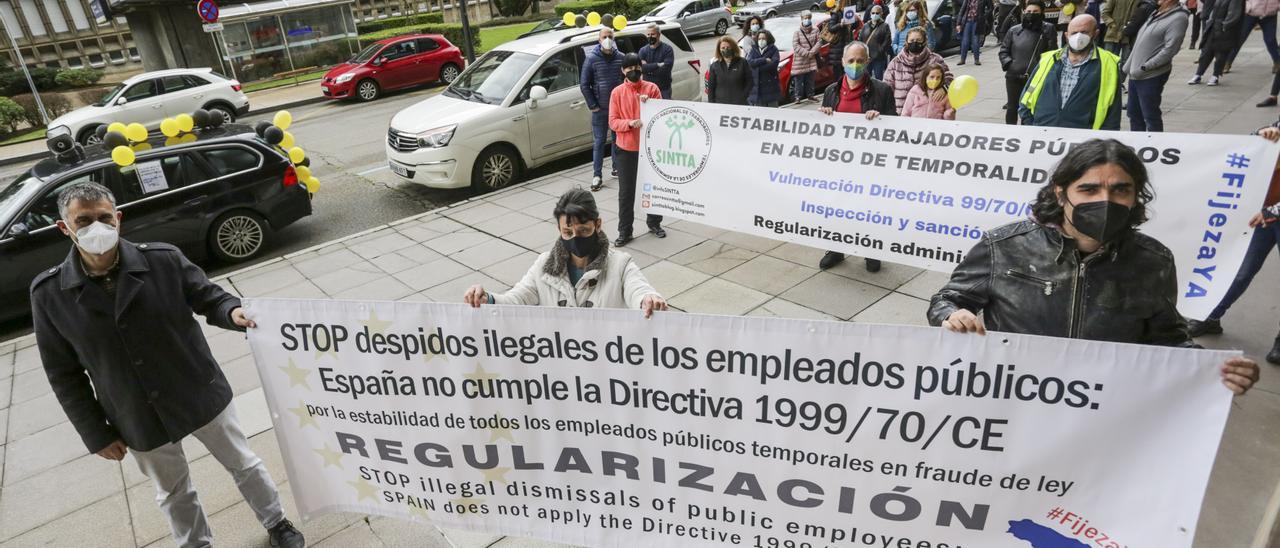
{"points": [[1194, 80], [658, 231], [285, 535], [977, 62], [1213, 81], [1268, 102], [1209, 326], [831, 259], [614, 173], [873, 265], [622, 241], [596, 183], [961, 62], [1274, 355]]}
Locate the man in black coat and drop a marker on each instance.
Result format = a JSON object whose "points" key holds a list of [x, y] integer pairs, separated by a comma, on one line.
{"points": [[131, 367]]}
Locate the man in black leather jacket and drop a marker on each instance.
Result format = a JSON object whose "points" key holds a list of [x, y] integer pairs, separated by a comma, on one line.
{"points": [[1079, 269]]}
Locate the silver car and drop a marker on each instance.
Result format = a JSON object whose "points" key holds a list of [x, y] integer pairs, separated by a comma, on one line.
{"points": [[772, 8], [694, 16]]}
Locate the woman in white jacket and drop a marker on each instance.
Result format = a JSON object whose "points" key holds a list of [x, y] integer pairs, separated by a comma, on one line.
{"points": [[580, 270]]}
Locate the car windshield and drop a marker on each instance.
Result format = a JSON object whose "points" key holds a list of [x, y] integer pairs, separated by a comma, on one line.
{"points": [[492, 78], [15, 193], [366, 54], [110, 96], [670, 9]]}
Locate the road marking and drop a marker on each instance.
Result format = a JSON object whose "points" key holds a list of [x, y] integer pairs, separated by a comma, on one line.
{"points": [[374, 170]]}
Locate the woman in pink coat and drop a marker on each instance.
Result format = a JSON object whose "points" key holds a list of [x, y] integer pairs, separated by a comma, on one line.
{"points": [[928, 99], [906, 67]]}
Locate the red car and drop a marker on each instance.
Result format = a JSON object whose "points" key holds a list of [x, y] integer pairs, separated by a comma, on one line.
{"points": [[393, 63], [783, 29]]}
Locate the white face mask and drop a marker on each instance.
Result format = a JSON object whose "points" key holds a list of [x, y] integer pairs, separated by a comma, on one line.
{"points": [[1078, 41], [607, 44], [97, 238]]}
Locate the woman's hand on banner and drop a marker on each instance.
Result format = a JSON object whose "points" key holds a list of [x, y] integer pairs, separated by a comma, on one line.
{"points": [[475, 296], [636, 123], [826, 110], [873, 114], [652, 303], [1257, 220], [963, 321], [1270, 133], [1239, 374]]}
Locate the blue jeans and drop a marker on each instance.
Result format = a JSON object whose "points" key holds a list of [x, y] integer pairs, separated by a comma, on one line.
{"points": [[602, 135], [970, 39], [1268, 25], [877, 67], [1264, 238], [802, 85], [1144, 103]]}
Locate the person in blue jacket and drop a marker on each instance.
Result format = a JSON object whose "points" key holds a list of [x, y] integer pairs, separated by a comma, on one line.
{"points": [[657, 58], [601, 72], [763, 61]]}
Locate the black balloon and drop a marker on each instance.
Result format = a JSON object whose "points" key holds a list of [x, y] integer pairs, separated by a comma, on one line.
{"points": [[114, 139], [200, 117], [273, 135], [607, 20], [215, 118], [100, 132], [261, 127], [306, 161], [580, 20]]}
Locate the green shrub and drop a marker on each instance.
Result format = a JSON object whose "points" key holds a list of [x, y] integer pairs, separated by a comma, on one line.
{"points": [[451, 32], [91, 96], [504, 21], [512, 8], [55, 105], [637, 8], [11, 114], [586, 6], [45, 78], [12, 82], [77, 78], [397, 22]]}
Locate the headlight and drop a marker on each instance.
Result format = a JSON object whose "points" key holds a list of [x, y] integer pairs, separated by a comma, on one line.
{"points": [[344, 78], [436, 138]]}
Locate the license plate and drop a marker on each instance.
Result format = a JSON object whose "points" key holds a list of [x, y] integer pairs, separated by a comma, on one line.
{"points": [[399, 170]]}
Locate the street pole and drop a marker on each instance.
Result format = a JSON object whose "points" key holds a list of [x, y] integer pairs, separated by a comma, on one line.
{"points": [[17, 53], [466, 34]]}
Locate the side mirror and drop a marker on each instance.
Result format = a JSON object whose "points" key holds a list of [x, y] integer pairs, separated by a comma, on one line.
{"points": [[19, 231], [122, 101], [536, 93], [684, 14], [378, 62]]}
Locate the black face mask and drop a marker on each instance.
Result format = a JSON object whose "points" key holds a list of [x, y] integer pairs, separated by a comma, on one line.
{"points": [[915, 47], [1102, 221], [1032, 20], [582, 246], [633, 76], [653, 40]]}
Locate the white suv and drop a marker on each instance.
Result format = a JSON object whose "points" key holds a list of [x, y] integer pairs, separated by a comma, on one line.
{"points": [[150, 97], [516, 108]]}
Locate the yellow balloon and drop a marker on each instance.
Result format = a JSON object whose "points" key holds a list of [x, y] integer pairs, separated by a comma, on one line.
{"points": [[169, 127], [116, 126], [831, 3], [122, 156], [1069, 10], [172, 141], [141, 147], [136, 132], [296, 155], [619, 22], [963, 90], [282, 119], [185, 122], [568, 19], [593, 18], [188, 138], [303, 172], [287, 142], [313, 184]]}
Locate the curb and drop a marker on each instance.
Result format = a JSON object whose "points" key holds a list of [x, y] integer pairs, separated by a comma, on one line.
{"points": [[38, 155]]}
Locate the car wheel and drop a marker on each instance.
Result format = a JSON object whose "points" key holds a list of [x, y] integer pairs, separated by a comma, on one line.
{"points": [[449, 73], [89, 136], [238, 235], [367, 90], [771, 15], [497, 167], [228, 114], [722, 26]]}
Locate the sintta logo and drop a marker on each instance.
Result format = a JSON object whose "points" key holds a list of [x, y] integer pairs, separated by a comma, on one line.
{"points": [[678, 144]]}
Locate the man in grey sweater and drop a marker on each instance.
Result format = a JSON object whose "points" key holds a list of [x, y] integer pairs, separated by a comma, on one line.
{"points": [[1149, 64]]}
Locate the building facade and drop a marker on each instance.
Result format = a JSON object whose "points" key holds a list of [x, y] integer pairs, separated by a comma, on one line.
{"points": [[65, 34]]}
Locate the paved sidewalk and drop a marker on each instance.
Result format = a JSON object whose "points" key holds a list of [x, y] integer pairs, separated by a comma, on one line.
{"points": [[54, 494]]}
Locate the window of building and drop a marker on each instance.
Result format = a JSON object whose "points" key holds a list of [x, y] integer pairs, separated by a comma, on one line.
{"points": [[52, 64], [133, 54], [75, 62], [96, 60], [117, 57], [56, 20], [32, 15], [10, 19], [77, 14]]}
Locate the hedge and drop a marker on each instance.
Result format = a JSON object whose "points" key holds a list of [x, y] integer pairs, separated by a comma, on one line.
{"points": [[451, 31], [586, 6], [398, 22], [637, 8], [77, 78], [11, 114]]}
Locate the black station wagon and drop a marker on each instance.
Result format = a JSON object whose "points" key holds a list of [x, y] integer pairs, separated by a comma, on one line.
{"points": [[220, 195]]}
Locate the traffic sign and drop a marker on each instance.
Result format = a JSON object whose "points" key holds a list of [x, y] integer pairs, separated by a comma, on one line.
{"points": [[212, 27], [208, 10]]}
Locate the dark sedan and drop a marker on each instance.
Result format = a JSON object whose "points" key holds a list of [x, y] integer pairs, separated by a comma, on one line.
{"points": [[221, 195]]}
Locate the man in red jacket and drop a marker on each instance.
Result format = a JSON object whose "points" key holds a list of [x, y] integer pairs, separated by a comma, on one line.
{"points": [[624, 120]]}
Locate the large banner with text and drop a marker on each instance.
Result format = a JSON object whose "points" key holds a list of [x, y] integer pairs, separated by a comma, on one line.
{"points": [[600, 428], [922, 192]]}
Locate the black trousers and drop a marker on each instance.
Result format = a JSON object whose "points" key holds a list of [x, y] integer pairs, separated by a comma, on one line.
{"points": [[1013, 89], [1212, 53], [626, 161]]}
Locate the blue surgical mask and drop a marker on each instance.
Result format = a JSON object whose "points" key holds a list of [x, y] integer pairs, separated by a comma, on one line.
{"points": [[755, 28], [855, 71], [913, 16], [806, 22], [876, 17]]}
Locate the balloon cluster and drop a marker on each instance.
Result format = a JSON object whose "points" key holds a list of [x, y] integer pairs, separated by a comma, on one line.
{"points": [[274, 133], [125, 141], [962, 91], [618, 22]]}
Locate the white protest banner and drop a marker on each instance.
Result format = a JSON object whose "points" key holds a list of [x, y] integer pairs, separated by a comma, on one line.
{"points": [[922, 192], [599, 428]]}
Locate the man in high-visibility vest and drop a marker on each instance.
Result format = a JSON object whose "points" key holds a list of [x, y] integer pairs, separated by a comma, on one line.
{"points": [[1077, 86]]}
